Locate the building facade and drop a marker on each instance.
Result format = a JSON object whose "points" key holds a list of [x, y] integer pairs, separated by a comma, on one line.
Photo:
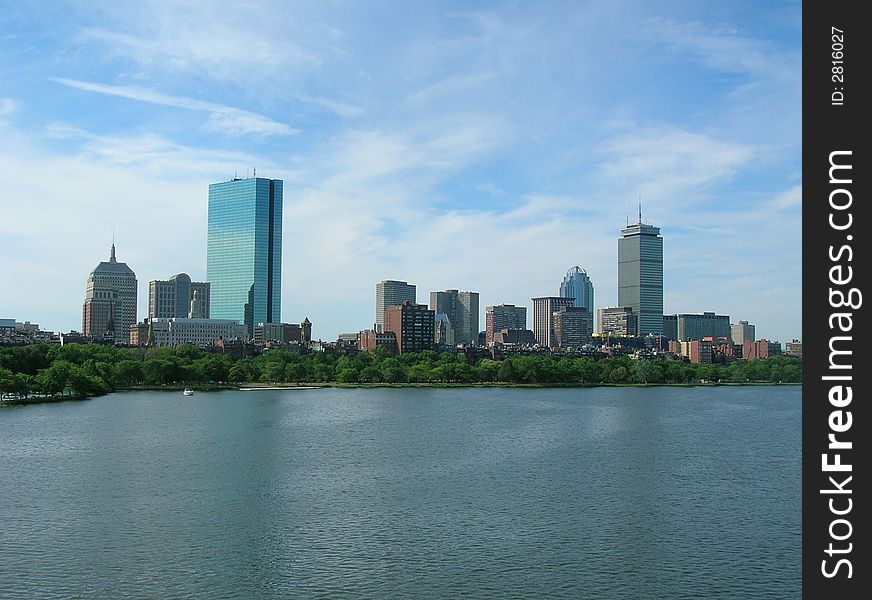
{"points": [[412, 324], [178, 297], [576, 284], [742, 332], [640, 275], [619, 321], [503, 316], [696, 351], [699, 326], [573, 327], [199, 332], [283, 333], [543, 318], [391, 293], [443, 331], [244, 251], [369, 340], [461, 308], [760, 349], [110, 300]]}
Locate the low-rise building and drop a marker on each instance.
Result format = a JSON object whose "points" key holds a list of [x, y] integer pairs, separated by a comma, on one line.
{"points": [[369, 340], [200, 332], [760, 349]]}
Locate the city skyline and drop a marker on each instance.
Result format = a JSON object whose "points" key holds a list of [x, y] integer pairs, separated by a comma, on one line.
{"points": [[473, 148]]}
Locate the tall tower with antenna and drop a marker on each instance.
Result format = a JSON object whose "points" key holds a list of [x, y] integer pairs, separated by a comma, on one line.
{"points": [[640, 274]]}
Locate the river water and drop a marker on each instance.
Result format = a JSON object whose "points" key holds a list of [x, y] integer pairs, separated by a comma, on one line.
{"points": [[405, 493]]}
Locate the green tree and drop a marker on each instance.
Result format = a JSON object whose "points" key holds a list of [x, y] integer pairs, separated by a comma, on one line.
{"points": [[348, 375], [487, 370], [54, 380]]}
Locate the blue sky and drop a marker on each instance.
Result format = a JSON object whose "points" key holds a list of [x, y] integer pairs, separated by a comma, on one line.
{"points": [[486, 146]]}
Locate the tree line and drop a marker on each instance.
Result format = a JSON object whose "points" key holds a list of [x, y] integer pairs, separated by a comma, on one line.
{"points": [[83, 370]]}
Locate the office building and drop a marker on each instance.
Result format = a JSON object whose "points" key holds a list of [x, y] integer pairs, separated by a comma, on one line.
{"points": [[110, 300], [576, 284], [461, 308], [742, 332], [244, 251], [573, 327], [391, 293], [699, 326], [412, 324], [617, 321], [503, 316], [178, 297], [640, 275], [543, 318]]}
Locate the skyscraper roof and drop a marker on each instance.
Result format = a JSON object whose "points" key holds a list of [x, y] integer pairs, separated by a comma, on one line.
{"points": [[112, 266]]}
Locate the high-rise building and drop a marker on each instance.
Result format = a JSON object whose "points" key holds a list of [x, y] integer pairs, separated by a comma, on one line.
{"points": [[178, 297], [543, 318], [412, 324], [616, 321], [742, 332], [640, 275], [670, 327], [390, 293], [503, 316], [573, 327], [577, 285], [110, 300], [461, 308], [244, 252]]}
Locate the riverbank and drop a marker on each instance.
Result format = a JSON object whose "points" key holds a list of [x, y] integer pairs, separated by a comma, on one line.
{"points": [[253, 386]]}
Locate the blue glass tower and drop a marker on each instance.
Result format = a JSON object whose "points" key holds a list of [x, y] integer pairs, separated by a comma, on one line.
{"points": [[577, 285], [244, 250]]}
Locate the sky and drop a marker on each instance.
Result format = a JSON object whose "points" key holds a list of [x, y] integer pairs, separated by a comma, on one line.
{"points": [[484, 146]]}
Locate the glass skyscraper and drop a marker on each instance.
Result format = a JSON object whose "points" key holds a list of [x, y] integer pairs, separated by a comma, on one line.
{"points": [[577, 285], [244, 250], [640, 275]]}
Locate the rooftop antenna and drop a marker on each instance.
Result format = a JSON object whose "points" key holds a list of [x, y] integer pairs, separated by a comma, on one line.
{"points": [[255, 173], [640, 209]]}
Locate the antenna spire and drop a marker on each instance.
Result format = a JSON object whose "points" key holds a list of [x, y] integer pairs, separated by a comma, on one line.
{"points": [[640, 209]]}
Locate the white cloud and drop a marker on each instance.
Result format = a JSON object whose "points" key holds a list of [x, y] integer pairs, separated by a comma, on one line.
{"points": [[665, 164], [222, 119]]}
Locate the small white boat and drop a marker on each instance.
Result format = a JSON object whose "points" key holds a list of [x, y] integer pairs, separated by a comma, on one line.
{"points": [[188, 392]]}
